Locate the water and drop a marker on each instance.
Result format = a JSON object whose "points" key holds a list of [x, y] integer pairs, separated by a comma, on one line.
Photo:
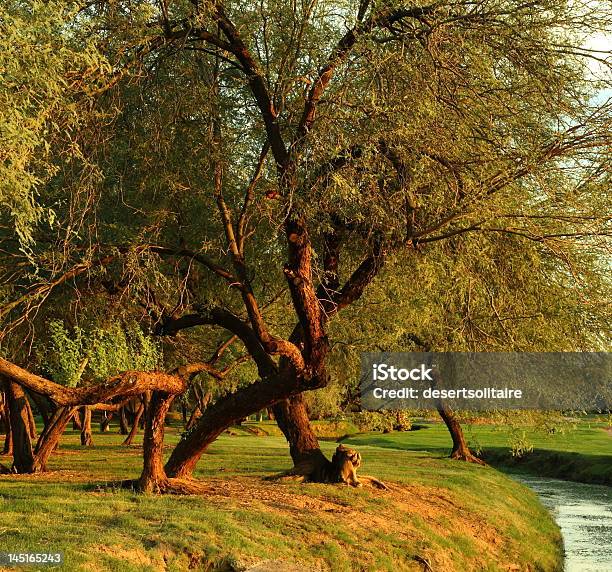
{"points": [[584, 514]]}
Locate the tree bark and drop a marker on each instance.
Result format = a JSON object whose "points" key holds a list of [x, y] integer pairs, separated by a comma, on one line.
{"points": [[105, 422], [193, 418], [224, 413], [461, 450], [86, 438], [77, 425], [292, 419], [49, 438], [124, 385], [153, 478], [23, 454], [123, 422], [31, 419], [135, 425], [8, 439], [42, 405]]}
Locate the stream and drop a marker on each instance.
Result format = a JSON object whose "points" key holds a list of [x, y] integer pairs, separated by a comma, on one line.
{"points": [[584, 514]]}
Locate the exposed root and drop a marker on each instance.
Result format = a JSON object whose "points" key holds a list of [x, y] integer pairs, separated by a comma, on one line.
{"points": [[162, 487], [468, 457]]}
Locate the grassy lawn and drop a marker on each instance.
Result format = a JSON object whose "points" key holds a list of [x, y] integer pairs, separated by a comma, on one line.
{"points": [[581, 454], [452, 515]]}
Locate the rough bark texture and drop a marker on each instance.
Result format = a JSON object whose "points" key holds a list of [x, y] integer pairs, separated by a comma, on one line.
{"points": [[31, 420], [195, 415], [127, 384], [7, 449], [153, 477], [124, 386], [42, 406], [292, 419]]}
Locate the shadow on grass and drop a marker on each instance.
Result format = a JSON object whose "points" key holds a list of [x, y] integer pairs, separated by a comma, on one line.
{"points": [[580, 467]]}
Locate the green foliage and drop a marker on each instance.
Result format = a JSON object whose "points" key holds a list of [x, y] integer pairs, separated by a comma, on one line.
{"points": [[384, 421], [520, 445], [73, 354], [325, 402], [66, 354], [467, 144], [45, 73]]}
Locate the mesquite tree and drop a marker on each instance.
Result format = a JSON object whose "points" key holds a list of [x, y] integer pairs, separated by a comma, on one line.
{"points": [[251, 166]]}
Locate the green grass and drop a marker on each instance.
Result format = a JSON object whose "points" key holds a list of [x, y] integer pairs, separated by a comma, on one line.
{"points": [[581, 454], [457, 516]]}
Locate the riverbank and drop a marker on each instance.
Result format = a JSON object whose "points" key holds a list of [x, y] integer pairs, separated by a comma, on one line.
{"points": [[584, 514], [438, 513], [582, 453]]}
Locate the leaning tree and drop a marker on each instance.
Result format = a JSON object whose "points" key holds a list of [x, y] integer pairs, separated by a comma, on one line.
{"points": [[250, 168]]}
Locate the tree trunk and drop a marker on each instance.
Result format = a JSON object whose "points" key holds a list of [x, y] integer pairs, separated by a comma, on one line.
{"points": [[8, 440], [42, 405], [228, 410], [292, 419], [77, 425], [124, 428], [105, 423], [153, 478], [86, 438], [23, 454], [146, 399], [135, 425], [184, 413], [31, 419], [461, 451], [195, 415], [49, 438]]}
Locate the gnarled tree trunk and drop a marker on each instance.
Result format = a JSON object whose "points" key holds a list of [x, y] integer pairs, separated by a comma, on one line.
{"points": [[292, 419], [8, 439], [193, 418], [153, 478], [31, 419], [224, 413], [77, 425]]}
